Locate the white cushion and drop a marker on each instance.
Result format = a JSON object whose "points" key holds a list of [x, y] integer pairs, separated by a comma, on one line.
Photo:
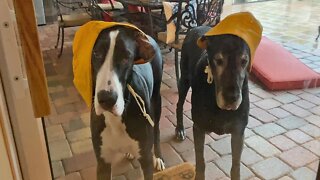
{"points": [[171, 27], [107, 6], [75, 19]]}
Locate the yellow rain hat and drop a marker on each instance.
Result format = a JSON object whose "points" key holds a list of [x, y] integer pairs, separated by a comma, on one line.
{"points": [[83, 44], [243, 25]]}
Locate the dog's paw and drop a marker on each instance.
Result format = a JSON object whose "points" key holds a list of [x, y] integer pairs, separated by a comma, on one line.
{"points": [[180, 134], [158, 164], [128, 156]]}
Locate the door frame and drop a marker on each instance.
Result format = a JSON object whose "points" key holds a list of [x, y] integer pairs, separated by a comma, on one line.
{"points": [[10, 168], [18, 94]]}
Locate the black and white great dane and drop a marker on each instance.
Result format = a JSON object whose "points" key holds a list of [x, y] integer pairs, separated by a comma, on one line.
{"points": [[118, 126], [221, 106]]}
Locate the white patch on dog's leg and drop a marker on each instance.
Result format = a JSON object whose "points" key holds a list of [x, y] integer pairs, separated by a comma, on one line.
{"points": [[105, 73], [158, 163], [129, 156]]}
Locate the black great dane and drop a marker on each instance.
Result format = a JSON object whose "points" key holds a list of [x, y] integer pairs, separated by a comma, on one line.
{"points": [[126, 99], [215, 63]]}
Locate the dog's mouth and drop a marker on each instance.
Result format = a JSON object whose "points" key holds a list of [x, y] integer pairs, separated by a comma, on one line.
{"points": [[224, 105], [117, 109], [229, 107]]}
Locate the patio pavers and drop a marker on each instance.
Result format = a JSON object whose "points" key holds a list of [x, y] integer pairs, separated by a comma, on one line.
{"points": [[283, 134]]}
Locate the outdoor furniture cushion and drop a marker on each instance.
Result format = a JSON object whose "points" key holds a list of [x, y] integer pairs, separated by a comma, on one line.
{"points": [[278, 69], [75, 19], [107, 6], [171, 8], [171, 27]]}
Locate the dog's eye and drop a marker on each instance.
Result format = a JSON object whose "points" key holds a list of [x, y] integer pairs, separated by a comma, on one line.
{"points": [[244, 62], [98, 56], [219, 62], [125, 61]]}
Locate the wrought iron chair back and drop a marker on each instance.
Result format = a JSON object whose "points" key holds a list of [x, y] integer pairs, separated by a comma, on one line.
{"points": [[108, 7], [95, 10], [189, 14], [66, 7], [193, 13], [70, 14]]}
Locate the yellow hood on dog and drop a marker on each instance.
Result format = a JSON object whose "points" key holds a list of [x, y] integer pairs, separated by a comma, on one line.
{"points": [[243, 25], [83, 43]]}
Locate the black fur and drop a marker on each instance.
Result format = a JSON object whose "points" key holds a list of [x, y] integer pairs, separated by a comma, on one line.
{"points": [[146, 81], [206, 114]]}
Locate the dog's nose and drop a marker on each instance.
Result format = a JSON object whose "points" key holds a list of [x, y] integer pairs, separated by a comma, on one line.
{"points": [[232, 98], [107, 99], [231, 95]]}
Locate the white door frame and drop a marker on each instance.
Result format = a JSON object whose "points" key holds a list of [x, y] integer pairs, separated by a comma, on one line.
{"points": [[27, 131]]}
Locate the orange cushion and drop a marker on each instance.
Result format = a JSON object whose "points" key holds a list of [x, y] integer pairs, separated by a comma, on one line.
{"points": [[278, 69]]}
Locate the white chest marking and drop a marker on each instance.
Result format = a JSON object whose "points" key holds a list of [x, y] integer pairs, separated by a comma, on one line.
{"points": [[115, 140]]}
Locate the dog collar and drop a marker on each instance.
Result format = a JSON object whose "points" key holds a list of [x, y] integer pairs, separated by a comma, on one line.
{"points": [[208, 71]]}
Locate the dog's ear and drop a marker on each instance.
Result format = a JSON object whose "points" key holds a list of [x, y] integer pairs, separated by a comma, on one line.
{"points": [[202, 42], [146, 51]]}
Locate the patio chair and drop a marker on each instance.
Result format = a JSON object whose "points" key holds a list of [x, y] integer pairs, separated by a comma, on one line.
{"points": [[107, 10], [74, 14], [184, 15], [112, 5]]}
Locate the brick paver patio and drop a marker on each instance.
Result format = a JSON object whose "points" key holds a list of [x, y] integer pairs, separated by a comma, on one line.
{"points": [[282, 140]]}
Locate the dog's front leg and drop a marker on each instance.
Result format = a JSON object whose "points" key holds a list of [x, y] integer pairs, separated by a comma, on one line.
{"points": [[184, 86], [97, 125], [146, 158], [156, 107], [157, 159], [146, 161], [199, 136], [103, 170], [236, 146]]}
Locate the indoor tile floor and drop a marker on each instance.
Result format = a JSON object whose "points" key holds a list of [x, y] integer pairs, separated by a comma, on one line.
{"points": [[282, 140]]}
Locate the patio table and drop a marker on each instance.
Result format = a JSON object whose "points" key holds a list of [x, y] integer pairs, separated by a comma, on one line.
{"points": [[148, 6], [152, 4]]}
